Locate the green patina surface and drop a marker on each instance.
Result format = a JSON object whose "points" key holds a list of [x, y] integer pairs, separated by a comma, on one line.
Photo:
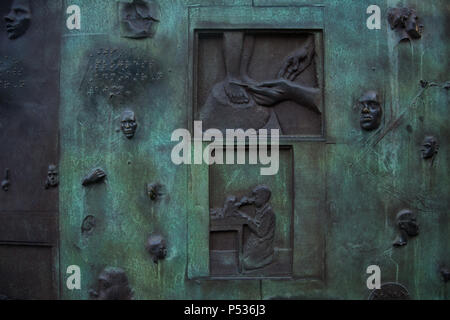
{"points": [[347, 189]]}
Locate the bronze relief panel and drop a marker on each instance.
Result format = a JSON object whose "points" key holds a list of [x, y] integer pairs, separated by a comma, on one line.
{"points": [[259, 79], [251, 221]]}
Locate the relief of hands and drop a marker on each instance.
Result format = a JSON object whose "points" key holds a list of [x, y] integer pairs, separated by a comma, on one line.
{"points": [[270, 93], [296, 63], [94, 176]]}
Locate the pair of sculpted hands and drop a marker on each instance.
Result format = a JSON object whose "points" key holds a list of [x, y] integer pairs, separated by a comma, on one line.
{"points": [[269, 93]]}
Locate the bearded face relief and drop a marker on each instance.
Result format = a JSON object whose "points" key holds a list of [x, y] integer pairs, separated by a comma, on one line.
{"points": [[128, 124], [406, 23], [52, 177], [18, 19], [371, 111]]}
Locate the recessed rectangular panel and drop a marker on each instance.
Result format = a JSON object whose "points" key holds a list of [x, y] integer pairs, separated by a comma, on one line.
{"points": [[257, 79], [26, 272], [258, 210]]}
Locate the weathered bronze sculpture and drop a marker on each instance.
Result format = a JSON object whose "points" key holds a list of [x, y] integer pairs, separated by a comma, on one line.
{"points": [[242, 102], [6, 182], [258, 250], [408, 227], [445, 273], [112, 285], [390, 291], [156, 247], [88, 225], [128, 123], [371, 111], [137, 19], [154, 190], [52, 180], [18, 19], [406, 23], [430, 147], [95, 176]]}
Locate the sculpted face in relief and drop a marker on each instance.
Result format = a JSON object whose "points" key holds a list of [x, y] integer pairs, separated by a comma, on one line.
{"points": [[112, 285], [430, 147], [406, 23], [408, 227], [128, 124], [156, 247], [18, 19], [371, 111], [52, 177]]}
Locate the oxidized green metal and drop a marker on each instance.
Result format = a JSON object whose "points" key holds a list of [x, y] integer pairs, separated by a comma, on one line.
{"points": [[353, 188]]}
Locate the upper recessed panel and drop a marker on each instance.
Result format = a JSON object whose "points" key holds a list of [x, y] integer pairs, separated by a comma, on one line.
{"points": [[260, 79]]}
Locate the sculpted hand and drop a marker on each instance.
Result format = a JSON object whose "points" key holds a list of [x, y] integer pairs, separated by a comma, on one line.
{"points": [[297, 62], [271, 92], [94, 176]]}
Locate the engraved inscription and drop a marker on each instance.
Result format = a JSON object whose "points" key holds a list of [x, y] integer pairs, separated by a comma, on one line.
{"points": [[11, 73], [113, 72]]}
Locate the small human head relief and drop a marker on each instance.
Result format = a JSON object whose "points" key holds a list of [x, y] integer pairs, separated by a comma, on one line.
{"points": [[128, 123], [52, 177], [112, 285], [407, 225], [371, 112], [430, 147], [18, 19], [156, 247], [406, 23]]}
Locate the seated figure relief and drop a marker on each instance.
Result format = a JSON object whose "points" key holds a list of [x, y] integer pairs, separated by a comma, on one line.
{"points": [[258, 248], [240, 101]]}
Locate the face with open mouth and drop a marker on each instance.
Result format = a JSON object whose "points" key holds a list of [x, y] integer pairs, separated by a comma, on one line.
{"points": [[18, 19], [370, 117], [128, 123]]}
